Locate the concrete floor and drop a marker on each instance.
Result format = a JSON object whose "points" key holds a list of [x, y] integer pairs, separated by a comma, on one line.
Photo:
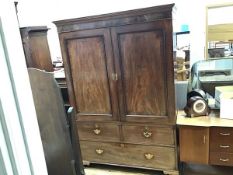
{"points": [[114, 170]]}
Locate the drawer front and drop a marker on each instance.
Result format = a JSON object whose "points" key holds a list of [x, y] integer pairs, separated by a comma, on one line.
{"points": [[221, 139], [129, 154], [221, 134], [98, 131], [221, 146], [151, 135], [220, 158]]}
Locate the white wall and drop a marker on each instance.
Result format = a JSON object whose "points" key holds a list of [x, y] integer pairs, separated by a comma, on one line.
{"points": [[43, 12], [216, 15]]}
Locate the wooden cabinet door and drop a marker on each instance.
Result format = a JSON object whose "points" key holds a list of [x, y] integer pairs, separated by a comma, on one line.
{"points": [[144, 66], [89, 67], [194, 144]]}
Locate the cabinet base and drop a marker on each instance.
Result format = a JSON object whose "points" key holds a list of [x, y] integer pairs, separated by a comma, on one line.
{"points": [[165, 172], [168, 172]]}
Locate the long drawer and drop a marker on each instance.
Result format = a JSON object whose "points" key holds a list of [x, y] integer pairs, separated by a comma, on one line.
{"points": [[148, 134], [154, 157], [220, 158], [98, 131]]}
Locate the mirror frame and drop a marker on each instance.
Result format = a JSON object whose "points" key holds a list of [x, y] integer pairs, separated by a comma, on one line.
{"points": [[213, 6]]}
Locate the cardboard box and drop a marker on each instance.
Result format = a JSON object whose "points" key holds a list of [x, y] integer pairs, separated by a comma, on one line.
{"points": [[220, 90], [226, 105]]}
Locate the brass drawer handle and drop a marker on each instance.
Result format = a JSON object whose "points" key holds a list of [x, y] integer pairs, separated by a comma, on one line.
{"points": [[224, 160], [97, 131], [224, 146], [149, 156], [99, 151], [225, 134], [147, 134]]}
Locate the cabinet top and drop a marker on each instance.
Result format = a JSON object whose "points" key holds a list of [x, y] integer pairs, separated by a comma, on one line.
{"points": [[204, 121], [34, 28], [116, 19]]}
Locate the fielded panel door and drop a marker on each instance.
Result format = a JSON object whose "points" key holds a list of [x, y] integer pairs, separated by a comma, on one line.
{"points": [[144, 64], [89, 67]]}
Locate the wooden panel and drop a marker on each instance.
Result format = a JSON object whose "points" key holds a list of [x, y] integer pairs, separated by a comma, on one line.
{"points": [[220, 158], [129, 154], [194, 144], [148, 134], [142, 67], [98, 131], [89, 68], [40, 52], [52, 122], [89, 72], [143, 64], [36, 48]]}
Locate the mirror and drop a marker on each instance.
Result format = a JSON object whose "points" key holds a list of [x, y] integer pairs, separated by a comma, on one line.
{"points": [[219, 31], [207, 74]]}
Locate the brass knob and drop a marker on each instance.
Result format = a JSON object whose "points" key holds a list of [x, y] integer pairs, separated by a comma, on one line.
{"points": [[147, 134], [97, 131], [149, 156], [99, 151]]}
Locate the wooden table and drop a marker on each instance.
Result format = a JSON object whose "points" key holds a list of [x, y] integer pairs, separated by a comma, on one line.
{"points": [[205, 139]]}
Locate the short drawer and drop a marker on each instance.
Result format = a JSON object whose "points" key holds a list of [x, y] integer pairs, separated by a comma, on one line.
{"points": [[98, 131], [129, 155], [220, 158], [148, 134], [221, 134], [221, 146]]}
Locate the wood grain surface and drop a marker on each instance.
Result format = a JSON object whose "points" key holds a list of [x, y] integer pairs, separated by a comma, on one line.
{"points": [[88, 65], [145, 85], [52, 122], [148, 134], [129, 154], [36, 48], [99, 131], [143, 72], [194, 144]]}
